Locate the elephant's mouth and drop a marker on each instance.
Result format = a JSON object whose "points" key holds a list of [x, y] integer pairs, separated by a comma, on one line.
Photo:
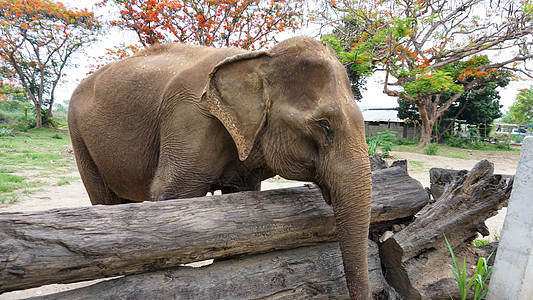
{"points": [[326, 193]]}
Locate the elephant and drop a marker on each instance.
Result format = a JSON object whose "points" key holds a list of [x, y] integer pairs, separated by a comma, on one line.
{"points": [[178, 121]]}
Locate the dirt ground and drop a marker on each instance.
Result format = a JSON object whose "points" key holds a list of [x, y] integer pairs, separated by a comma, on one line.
{"points": [[74, 195]]}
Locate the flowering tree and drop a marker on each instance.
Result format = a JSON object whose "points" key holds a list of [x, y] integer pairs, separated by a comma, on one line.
{"points": [[37, 39], [418, 42], [247, 24], [11, 94]]}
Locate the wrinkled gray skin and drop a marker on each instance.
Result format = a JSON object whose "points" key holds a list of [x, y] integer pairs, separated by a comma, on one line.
{"points": [[177, 121]]}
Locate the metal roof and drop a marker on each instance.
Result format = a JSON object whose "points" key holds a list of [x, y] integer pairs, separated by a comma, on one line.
{"points": [[381, 114]]}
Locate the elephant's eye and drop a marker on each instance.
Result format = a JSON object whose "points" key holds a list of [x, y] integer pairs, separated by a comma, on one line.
{"points": [[327, 128], [324, 124]]}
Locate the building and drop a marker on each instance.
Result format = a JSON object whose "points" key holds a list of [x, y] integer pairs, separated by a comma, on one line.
{"points": [[381, 119]]}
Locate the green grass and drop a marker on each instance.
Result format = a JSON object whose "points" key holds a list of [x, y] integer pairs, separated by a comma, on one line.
{"points": [[34, 148], [480, 243], [416, 164], [478, 282], [8, 198], [10, 182], [452, 152], [65, 180], [40, 152]]}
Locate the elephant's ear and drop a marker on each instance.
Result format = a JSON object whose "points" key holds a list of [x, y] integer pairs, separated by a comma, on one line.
{"points": [[235, 95]]}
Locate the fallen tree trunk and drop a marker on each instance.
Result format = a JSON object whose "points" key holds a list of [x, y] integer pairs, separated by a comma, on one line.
{"points": [[414, 257], [300, 273], [76, 244], [440, 178]]}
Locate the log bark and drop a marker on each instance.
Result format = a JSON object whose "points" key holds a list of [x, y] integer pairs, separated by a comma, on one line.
{"points": [[395, 195], [415, 256], [302, 273], [440, 178], [377, 162], [76, 244]]}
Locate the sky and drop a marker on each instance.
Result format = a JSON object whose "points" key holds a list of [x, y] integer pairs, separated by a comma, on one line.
{"points": [[372, 97]]}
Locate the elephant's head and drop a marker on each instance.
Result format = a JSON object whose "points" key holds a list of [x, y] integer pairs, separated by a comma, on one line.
{"points": [[294, 102]]}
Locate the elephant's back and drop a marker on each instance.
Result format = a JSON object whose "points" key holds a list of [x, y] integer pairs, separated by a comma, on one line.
{"points": [[117, 111]]}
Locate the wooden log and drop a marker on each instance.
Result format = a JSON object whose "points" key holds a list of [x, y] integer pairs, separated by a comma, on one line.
{"points": [[302, 273], [76, 244], [396, 195], [440, 178], [414, 257], [377, 162]]}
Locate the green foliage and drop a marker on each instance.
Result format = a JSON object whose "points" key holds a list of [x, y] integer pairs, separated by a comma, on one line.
{"points": [[477, 243], [408, 110], [432, 83], [387, 139], [372, 145], [21, 116], [521, 111], [502, 145], [517, 138], [56, 136], [6, 130], [474, 143], [432, 149], [479, 280], [407, 141], [462, 142]]}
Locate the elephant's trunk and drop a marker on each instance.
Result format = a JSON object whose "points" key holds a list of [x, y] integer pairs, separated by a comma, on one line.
{"points": [[349, 187]]}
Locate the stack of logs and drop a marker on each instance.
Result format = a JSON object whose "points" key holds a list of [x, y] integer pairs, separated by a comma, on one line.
{"points": [[277, 244]]}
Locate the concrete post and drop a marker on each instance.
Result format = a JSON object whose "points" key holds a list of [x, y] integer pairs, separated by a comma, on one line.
{"points": [[512, 276]]}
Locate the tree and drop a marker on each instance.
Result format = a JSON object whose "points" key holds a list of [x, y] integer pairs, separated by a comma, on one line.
{"points": [[521, 111], [417, 42], [247, 24], [37, 41], [480, 108]]}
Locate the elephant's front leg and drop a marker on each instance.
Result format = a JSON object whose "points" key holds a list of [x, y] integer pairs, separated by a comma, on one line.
{"points": [[178, 179], [242, 178]]}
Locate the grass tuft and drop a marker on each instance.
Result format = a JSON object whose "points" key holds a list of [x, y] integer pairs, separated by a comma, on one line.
{"points": [[432, 149], [478, 280]]}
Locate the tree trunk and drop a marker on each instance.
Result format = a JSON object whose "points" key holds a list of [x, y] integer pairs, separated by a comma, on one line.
{"points": [[39, 116], [414, 257], [76, 244], [427, 124], [302, 273]]}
